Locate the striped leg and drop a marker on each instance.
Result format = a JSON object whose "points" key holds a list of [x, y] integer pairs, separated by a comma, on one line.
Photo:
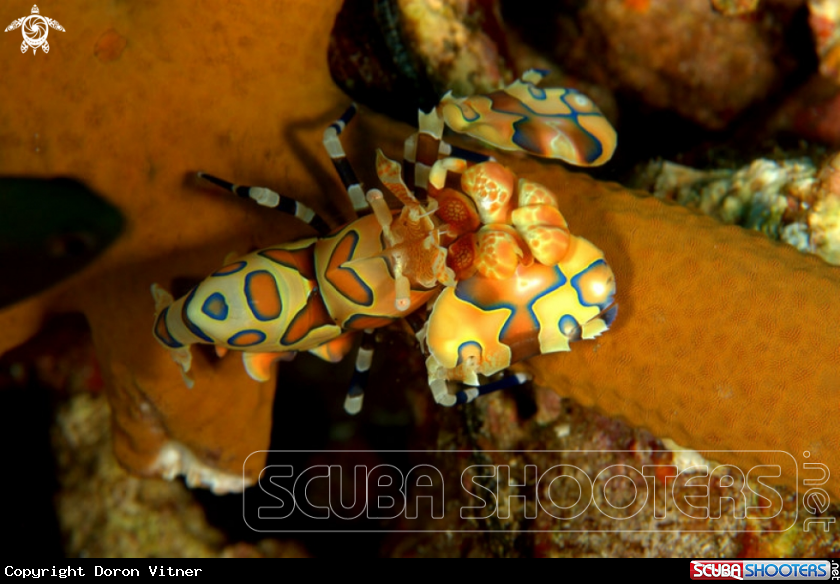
{"points": [[469, 393], [268, 198], [446, 397], [356, 394], [446, 150], [421, 151], [332, 143], [423, 148]]}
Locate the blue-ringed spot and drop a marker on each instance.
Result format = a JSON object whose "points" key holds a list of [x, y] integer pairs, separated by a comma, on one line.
{"points": [[246, 338]]}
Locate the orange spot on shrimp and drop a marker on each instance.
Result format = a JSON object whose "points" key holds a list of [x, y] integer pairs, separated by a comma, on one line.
{"points": [[295, 259], [246, 338], [230, 269], [362, 321], [312, 316], [345, 280], [262, 295]]}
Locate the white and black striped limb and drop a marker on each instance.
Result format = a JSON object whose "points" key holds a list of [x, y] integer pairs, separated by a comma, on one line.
{"points": [[268, 198], [332, 143], [356, 394], [421, 151], [425, 147], [469, 393]]}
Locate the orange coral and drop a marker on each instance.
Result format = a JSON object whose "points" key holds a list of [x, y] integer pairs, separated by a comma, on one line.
{"points": [[725, 339], [242, 90]]}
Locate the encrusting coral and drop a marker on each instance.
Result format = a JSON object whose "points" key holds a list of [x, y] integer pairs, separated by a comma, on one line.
{"points": [[724, 339], [196, 86]]}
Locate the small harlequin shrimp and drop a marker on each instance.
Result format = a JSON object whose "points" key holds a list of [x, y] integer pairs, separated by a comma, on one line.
{"points": [[488, 254]]}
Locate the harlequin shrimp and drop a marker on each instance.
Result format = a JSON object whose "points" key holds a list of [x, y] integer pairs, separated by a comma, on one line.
{"points": [[489, 254]]}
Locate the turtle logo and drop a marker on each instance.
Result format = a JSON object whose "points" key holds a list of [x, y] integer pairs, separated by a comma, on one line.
{"points": [[35, 30]]}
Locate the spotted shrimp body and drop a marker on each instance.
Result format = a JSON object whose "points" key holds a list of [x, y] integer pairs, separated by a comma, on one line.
{"points": [[487, 256], [298, 296]]}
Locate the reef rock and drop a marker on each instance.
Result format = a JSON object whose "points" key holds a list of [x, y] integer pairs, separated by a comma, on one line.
{"points": [[679, 55]]}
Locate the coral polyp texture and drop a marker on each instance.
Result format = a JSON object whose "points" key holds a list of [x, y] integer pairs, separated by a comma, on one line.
{"points": [[163, 124], [707, 350], [725, 339]]}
